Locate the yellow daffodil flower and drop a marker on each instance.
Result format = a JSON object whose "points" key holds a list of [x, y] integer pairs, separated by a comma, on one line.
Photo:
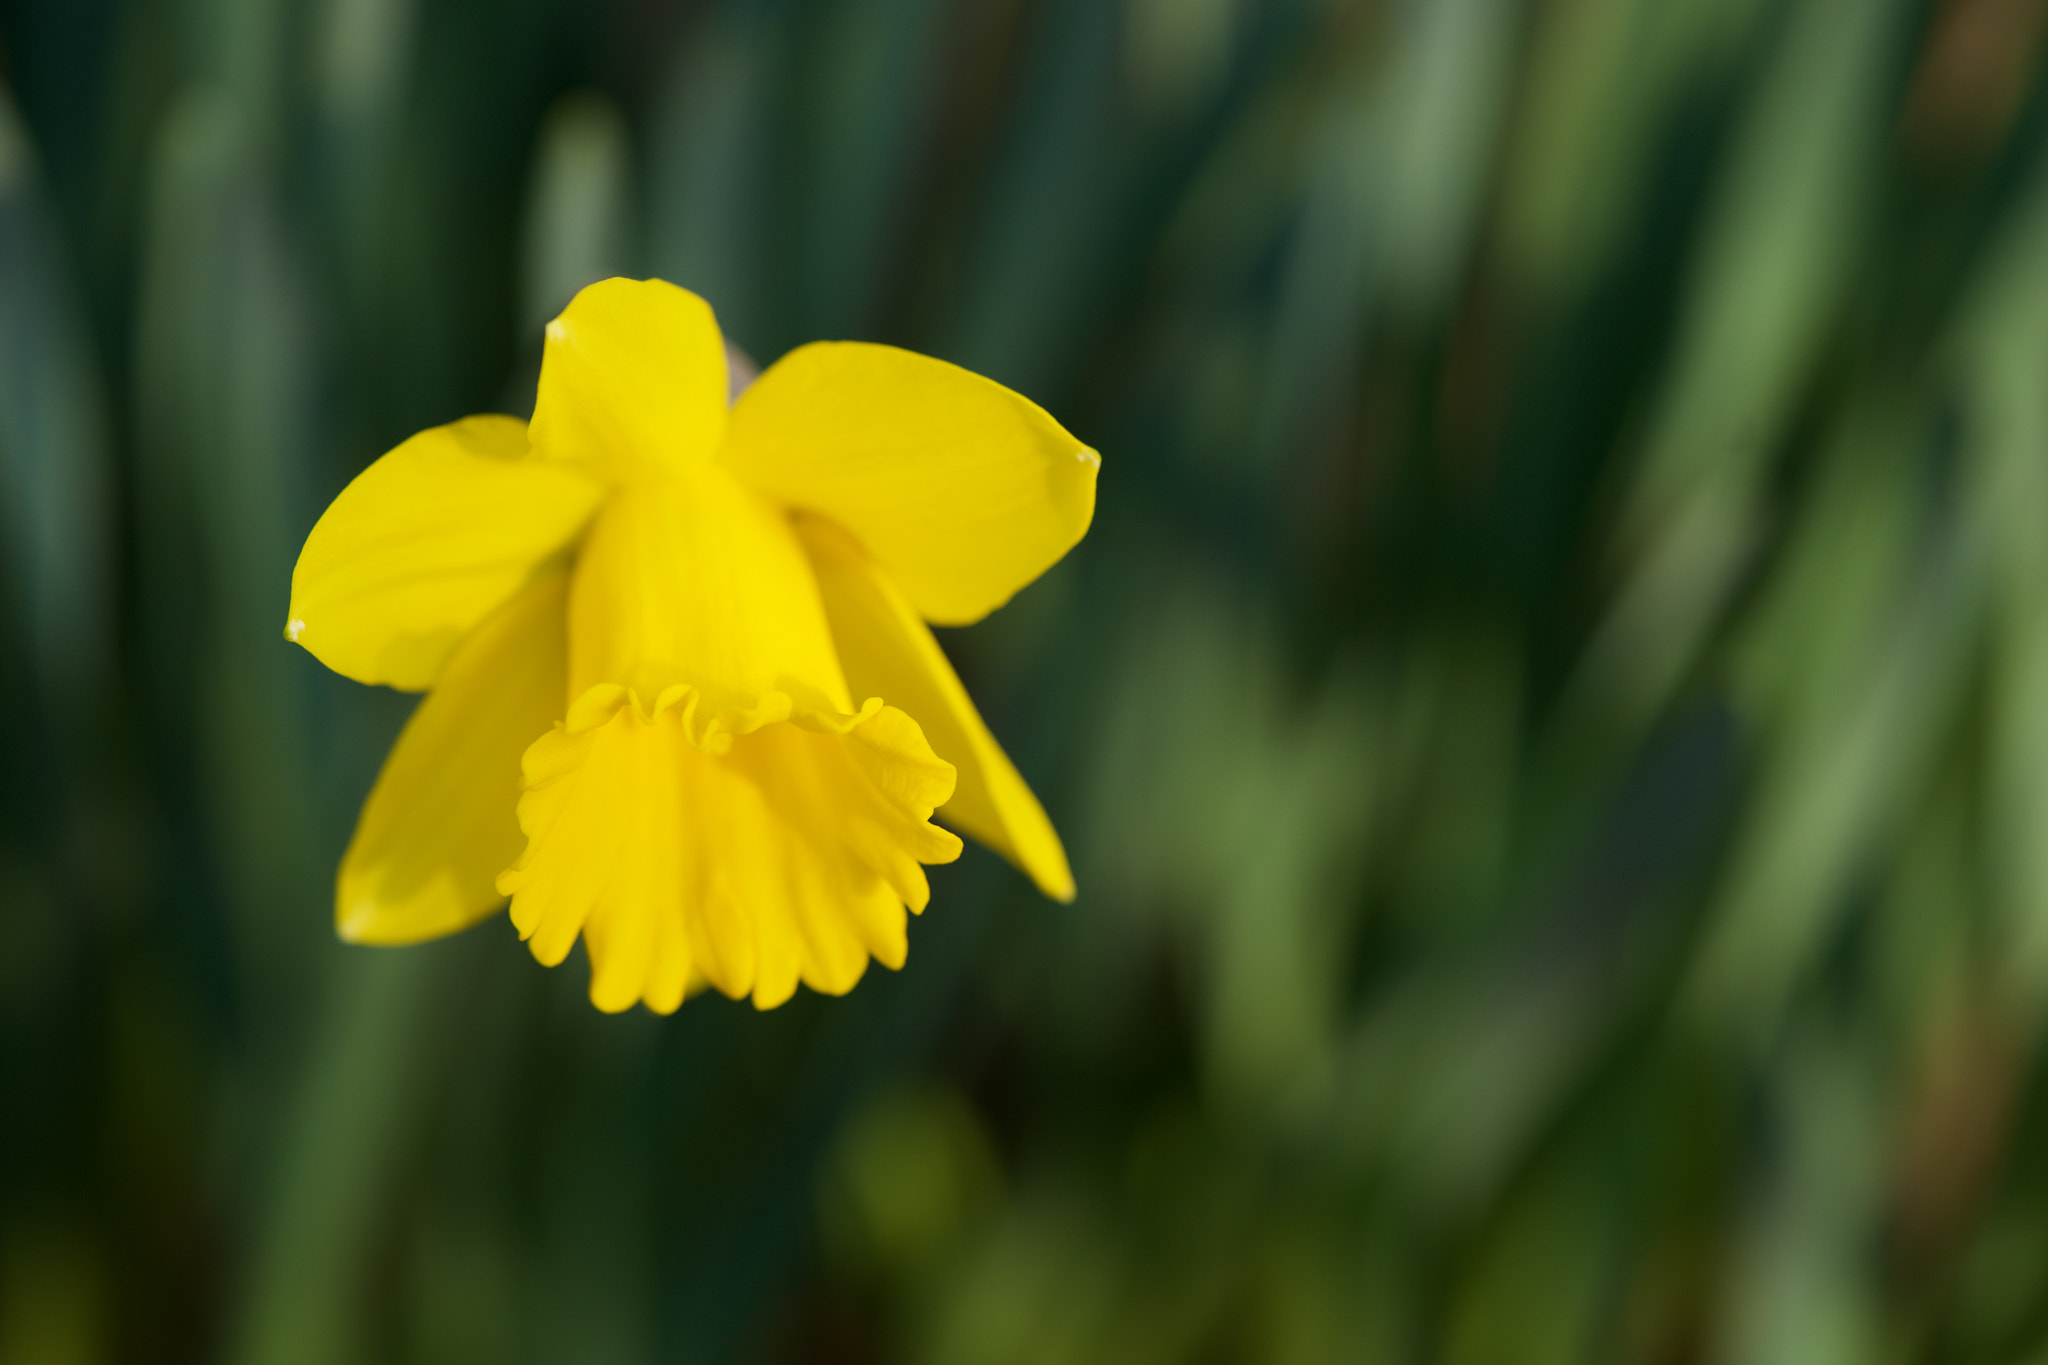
{"points": [[682, 698]]}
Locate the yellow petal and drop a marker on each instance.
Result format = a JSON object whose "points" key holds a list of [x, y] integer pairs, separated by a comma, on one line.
{"points": [[632, 381], [700, 580], [962, 490], [441, 823], [888, 652], [790, 856], [424, 544]]}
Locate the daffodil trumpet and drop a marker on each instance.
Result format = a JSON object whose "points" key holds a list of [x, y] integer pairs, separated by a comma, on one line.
{"points": [[682, 696]]}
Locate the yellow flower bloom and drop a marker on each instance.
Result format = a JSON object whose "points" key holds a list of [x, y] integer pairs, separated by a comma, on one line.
{"points": [[681, 694]]}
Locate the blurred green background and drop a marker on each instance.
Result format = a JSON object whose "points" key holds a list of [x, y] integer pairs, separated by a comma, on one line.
{"points": [[1551, 719]]}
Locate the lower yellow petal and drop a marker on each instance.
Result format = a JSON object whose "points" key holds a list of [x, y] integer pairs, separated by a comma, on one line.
{"points": [[441, 822], [750, 855], [887, 650]]}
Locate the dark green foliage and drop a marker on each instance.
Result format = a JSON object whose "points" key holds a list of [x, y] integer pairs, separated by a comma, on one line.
{"points": [[1551, 720]]}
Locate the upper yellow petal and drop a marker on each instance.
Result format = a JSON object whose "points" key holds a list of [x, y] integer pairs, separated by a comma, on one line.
{"points": [[632, 381], [425, 543], [441, 822], [960, 489], [782, 854], [887, 652], [700, 580]]}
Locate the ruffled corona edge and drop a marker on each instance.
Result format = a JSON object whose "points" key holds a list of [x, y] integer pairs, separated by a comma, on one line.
{"points": [[747, 849]]}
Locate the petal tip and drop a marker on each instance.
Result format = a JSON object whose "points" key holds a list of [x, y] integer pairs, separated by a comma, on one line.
{"points": [[294, 628], [611, 1000], [766, 997], [365, 921], [1049, 872]]}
